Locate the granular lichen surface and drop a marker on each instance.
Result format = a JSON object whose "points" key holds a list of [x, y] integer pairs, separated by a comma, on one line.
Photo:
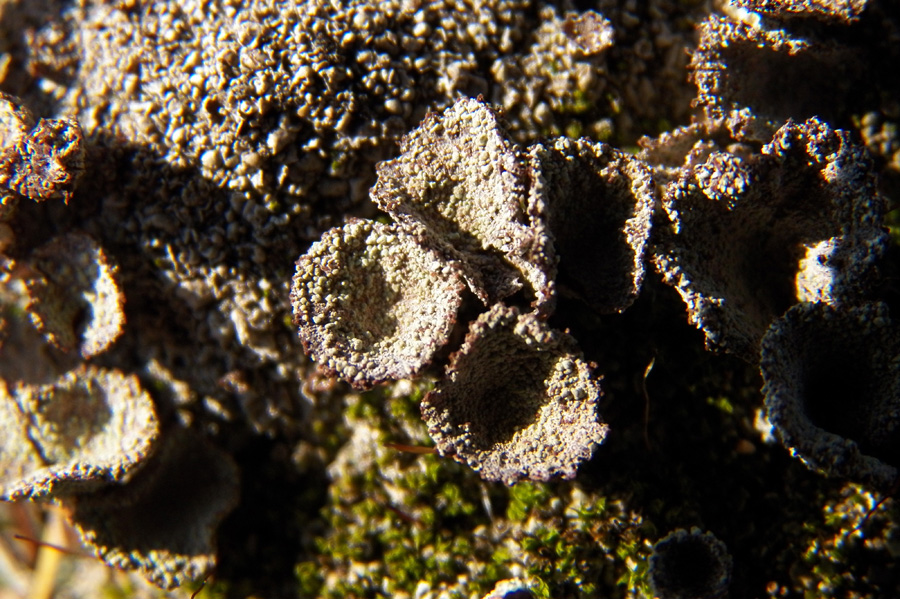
{"points": [[217, 140]]}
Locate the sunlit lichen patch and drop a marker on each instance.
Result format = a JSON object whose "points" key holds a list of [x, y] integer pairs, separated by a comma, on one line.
{"points": [[518, 401], [845, 11], [756, 76], [76, 301], [373, 302], [38, 160], [751, 236], [223, 138], [90, 428], [463, 180], [18, 457]]}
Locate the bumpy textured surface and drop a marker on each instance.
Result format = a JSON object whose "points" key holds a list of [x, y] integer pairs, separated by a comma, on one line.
{"points": [[38, 161], [845, 11], [742, 75], [832, 387], [464, 181], [518, 401], [163, 520], [599, 203], [223, 136], [18, 457], [373, 303], [757, 73], [690, 565], [75, 297], [90, 428], [749, 237]]}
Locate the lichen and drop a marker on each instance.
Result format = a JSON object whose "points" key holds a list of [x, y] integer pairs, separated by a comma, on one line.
{"points": [[374, 303], [749, 236], [845, 11], [163, 520], [75, 299], [518, 401], [90, 428], [220, 138], [465, 182], [38, 160], [690, 565], [599, 204], [831, 390]]}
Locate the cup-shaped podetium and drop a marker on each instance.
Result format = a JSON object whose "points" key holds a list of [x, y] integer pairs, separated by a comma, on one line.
{"points": [[373, 302], [518, 401], [832, 387], [690, 565]]}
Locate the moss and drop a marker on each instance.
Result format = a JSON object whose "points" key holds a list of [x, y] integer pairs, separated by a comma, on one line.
{"points": [[574, 129], [406, 519], [587, 549], [892, 221], [526, 497], [579, 103], [309, 579], [721, 403], [852, 549]]}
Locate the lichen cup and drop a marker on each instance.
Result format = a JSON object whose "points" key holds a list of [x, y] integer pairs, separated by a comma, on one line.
{"points": [[832, 385], [690, 565]]}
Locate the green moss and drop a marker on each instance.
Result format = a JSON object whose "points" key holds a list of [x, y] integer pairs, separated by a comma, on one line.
{"points": [[721, 403], [578, 103], [122, 590], [850, 550], [574, 129], [892, 221], [585, 548], [309, 579], [395, 520], [524, 498], [407, 518]]}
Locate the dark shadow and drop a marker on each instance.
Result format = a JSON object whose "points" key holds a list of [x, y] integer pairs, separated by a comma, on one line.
{"points": [[588, 219], [844, 395], [262, 541], [688, 567], [673, 452], [779, 86]]}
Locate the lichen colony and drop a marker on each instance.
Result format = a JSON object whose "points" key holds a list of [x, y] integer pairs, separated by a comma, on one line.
{"points": [[451, 299]]}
